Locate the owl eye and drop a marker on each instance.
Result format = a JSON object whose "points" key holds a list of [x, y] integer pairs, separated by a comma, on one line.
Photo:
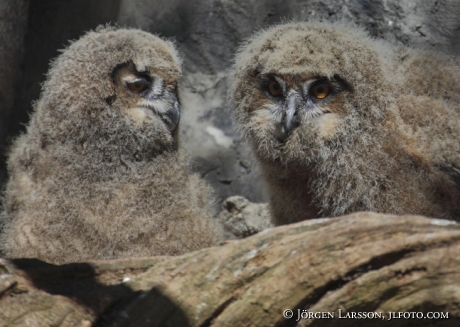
{"points": [[320, 91], [138, 85], [275, 88]]}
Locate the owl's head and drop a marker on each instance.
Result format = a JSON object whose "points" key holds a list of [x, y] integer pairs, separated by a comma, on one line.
{"points": [[298, 86], [116, 85]]}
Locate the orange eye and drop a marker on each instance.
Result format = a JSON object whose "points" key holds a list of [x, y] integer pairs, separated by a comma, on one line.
{"points": [[138, 86], [275, 88], [320, 91]]}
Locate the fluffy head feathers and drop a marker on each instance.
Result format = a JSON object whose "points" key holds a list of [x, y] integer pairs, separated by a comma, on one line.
{"points": [[100, 172], [328, 112]]}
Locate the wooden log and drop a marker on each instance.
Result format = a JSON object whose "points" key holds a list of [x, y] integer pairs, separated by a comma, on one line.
{"points": [[353, 267]]}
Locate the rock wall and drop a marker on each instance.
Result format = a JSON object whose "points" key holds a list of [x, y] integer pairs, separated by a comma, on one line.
{"points": [[13, 20], [207, 32]]}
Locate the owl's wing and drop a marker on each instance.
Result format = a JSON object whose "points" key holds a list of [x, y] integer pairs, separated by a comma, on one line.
{"points": [[432, 74], [429, 106]]}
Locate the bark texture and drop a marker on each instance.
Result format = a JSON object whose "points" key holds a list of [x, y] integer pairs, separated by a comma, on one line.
{"points": [[364, 262]]}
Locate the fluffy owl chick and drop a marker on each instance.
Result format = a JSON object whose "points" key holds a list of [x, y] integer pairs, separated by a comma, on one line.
{"points": [[100, 172], [340, 122]]}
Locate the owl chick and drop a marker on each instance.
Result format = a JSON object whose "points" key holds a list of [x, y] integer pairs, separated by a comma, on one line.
{"points": [[100, 172], [340, 122]]}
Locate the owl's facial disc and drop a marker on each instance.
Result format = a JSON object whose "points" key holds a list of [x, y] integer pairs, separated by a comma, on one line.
{"points": [[295, 100], [154, 97]]}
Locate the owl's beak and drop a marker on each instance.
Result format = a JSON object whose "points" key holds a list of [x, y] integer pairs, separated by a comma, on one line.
{"points": [[291, 112], [175, 113], [289, 119], [172, 116]]}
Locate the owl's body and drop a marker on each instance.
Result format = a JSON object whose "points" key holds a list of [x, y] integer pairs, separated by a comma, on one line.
{"points": [[100, 173], [340, 122]]}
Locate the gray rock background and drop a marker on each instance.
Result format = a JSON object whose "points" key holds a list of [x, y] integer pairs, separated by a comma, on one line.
{"points": [[207, 32], [240, 218], [13, 21]]}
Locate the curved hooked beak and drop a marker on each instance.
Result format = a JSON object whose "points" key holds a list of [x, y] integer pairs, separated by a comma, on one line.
{"points": [[289, 119], [291, 112], [172, 116]]}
